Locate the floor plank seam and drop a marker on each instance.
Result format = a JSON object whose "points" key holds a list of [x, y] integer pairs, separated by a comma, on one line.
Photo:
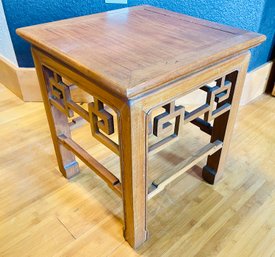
{"points": [[66, 228]]}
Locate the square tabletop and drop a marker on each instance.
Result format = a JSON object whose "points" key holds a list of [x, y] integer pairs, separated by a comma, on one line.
{"points": [[135, 50]]}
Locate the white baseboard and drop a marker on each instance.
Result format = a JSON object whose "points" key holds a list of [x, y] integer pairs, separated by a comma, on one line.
{"points": [[23, 82], [256, 83]]}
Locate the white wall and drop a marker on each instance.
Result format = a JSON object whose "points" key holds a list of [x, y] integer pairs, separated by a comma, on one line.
{"points": [[6, 47]]}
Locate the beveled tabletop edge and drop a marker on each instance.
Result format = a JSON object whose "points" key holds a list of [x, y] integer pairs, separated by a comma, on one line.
{"points": [[243, 41]]}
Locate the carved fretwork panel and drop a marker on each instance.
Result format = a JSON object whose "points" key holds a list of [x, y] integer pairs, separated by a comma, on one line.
{"points": [[218, 94], [218, 97], [60, 94], [101, 121], [162, 124], [166, 125], [100, 118]]}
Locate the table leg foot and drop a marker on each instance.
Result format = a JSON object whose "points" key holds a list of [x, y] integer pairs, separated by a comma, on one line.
{"points": [[71, 169], [209, 174], [135, 244]]}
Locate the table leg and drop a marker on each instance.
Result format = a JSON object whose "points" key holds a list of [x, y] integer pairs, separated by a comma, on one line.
{"points": [[223, 127], [133, 142], [58, 123]]}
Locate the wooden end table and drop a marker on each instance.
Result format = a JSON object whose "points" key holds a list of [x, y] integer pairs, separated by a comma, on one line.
{"points": [[135, 60]]}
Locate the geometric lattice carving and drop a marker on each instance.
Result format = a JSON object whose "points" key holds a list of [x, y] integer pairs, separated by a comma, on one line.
{"points": [[162, 124], [219, 94], [218, 101], [100, 118], [60, 94]]}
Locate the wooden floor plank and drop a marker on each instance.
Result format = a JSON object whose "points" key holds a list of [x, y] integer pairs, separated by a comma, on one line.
{"points": [[43, 214], [34, 242]]}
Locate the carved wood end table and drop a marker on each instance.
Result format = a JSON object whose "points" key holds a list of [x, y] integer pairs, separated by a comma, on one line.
{"points": [[134, 61]]}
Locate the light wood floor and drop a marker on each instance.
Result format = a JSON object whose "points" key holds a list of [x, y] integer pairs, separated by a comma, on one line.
{"points": [[43, 214]]}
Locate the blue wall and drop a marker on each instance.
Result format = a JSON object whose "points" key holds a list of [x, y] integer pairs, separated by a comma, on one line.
{"points": [[254, 15]]}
